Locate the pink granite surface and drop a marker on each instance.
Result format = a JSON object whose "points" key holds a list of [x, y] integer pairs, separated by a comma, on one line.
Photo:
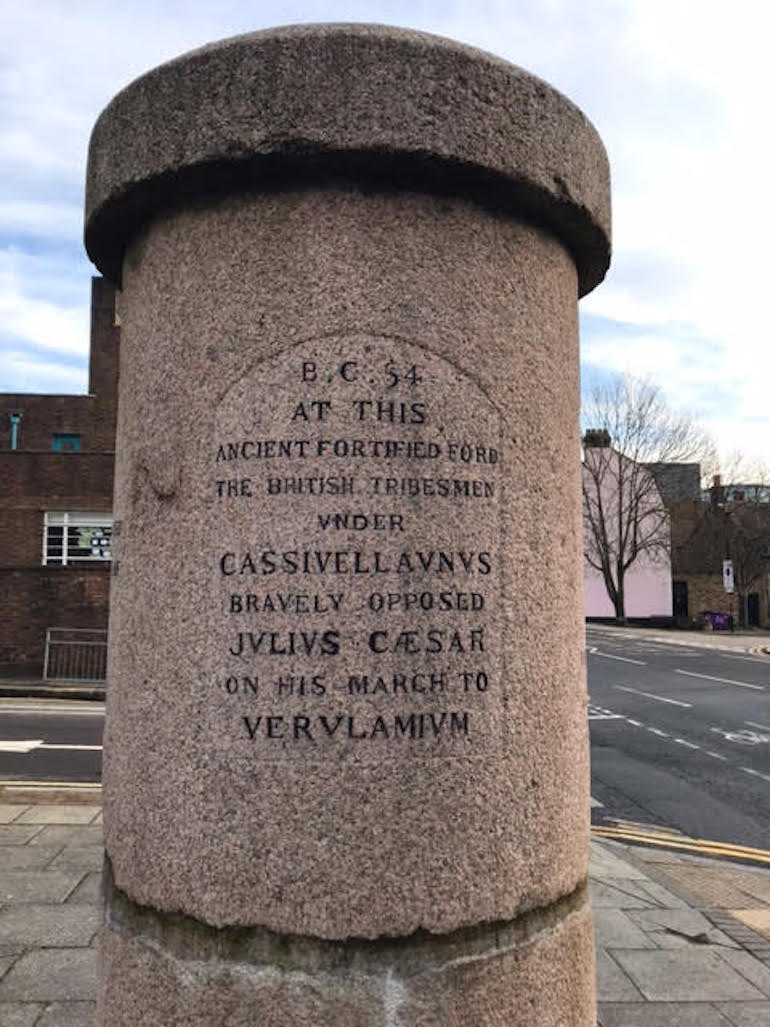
{"points": [[544, 982], [333, 835], [347, 692], [388, 105]]}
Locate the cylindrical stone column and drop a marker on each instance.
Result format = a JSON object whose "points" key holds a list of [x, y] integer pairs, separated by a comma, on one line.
{"points": [[346, 750]]}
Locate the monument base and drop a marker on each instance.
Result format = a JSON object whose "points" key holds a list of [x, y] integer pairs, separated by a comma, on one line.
{"points": [[535, 971]]}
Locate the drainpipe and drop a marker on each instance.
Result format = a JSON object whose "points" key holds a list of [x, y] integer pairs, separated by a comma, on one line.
{"points": [[15, 422]]}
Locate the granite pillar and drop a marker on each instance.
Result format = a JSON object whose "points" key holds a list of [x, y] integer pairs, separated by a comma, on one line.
{"points": [[346, 760]]}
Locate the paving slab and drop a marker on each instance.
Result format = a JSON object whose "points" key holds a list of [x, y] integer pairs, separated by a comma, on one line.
{"points": [[58, 815], [612, 984], [662, 896], [757, 919], [10, 812], [88, 891], [615, 930], [10, 951], [62, 834], [37, 885], [757, 885], [751, 968], [605, 865], [18, 834], [648, 973], [666, 939], [49, 925], [19, 1014], [661, 1014], [746, 1014], [685, 976], [52, 975], [68, 1014], [676, 928], [79, 857], [28, 857], [707, 887], [617, 896]]}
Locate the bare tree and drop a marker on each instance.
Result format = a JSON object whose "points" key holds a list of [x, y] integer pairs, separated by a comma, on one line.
{"points": [[630, 426], [736, 467]]}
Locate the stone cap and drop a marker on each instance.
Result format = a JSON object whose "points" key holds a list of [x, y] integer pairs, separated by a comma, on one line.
{"points": [[387, 108]]}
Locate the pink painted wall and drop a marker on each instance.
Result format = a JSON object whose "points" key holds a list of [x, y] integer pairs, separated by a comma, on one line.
{"points": [[647, 582], [648, 592]]}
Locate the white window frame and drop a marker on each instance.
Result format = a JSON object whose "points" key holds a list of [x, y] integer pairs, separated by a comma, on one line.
{"points": [[74, 519]]}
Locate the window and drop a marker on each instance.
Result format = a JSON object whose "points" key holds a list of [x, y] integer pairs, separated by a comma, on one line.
{"points": [[65, 443], [77, 538]]}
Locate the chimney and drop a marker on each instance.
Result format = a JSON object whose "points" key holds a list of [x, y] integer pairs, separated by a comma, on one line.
{"points": [[597, 438]]}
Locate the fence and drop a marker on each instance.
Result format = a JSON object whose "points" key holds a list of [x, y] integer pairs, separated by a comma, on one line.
{"points": [[75, 654]]}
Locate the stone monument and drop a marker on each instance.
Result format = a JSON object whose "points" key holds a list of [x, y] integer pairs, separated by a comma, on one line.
{"points": [[346, 760]]}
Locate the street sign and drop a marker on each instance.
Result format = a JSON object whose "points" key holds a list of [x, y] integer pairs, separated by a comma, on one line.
{"points": [[727, 576]]}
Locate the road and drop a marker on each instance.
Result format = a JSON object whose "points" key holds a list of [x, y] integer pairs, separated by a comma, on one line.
{"points": [[680, 736], [50, 740]]}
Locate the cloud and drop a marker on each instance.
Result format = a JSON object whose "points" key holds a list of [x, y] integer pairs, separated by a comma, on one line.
{"points": [[26, 371], [676, 89], [54, 324]]}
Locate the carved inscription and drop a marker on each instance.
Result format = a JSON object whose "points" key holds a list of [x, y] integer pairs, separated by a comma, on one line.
{"points": [[355, 486]]}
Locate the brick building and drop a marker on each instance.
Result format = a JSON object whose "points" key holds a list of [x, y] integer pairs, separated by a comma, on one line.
{"points": [[707, 527], [57, 457], [727, 522]]}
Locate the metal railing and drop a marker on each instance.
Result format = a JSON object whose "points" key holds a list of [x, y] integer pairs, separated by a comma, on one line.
{"points": [[75, 654]]}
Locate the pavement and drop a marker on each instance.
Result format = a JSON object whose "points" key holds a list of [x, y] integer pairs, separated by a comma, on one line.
{"points": [[681, 940], [38, 688], [749, 640]]}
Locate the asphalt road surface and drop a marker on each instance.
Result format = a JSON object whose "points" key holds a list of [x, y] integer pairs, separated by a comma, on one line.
{"points": [[50, 740], [680, 737]]}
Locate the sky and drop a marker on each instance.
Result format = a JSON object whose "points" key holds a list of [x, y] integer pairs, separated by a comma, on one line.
{"points": [[676, 89]]}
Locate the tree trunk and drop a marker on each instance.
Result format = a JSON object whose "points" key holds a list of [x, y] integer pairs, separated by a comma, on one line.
{"points": [[619, 601]]}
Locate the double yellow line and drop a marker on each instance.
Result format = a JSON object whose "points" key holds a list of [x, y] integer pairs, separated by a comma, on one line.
{"points": [[673, 840]]}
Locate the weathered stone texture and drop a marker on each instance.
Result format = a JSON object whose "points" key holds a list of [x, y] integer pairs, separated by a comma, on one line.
{"points": [[390, 105], [347, 692], [545, 982], [253, 841]]}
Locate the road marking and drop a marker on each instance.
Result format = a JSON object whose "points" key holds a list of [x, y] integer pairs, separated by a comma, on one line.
{"points": [[755, 773], [636, 825], [599, 713], [30, 744], [742, 736], [11, 784], [690, 745], [651, 695], [90, 710], [700, 845], [623, 659], [762, 727], [716, 755], [724, 681], [20, 746], [636, 723], [657, 731], [595, 804], [78, 748]]}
